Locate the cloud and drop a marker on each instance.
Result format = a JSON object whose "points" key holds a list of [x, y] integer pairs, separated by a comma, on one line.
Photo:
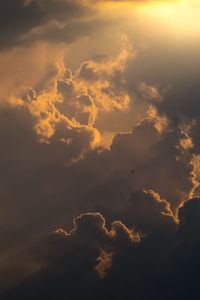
{"points": [[35, 180], [95, 246], [90, 247], [40, 177], [151, 153], [16, 20], [104, 81], [42, 95], [56, 21], [72, 72], [93, 89], [32, 18], [67, 171], [90, 229], [149, 213], [189, 220]]}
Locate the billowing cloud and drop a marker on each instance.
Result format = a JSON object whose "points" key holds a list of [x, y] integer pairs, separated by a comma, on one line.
{"points": [[151, 153], [89, 247], [90, 229]]}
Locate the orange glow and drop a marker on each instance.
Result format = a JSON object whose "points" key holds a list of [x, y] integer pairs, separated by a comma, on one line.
{"points": [[182, 16]]}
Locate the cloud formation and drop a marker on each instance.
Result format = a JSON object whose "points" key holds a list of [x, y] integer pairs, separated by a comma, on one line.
{"points": [[89, 248], [99, 124]]}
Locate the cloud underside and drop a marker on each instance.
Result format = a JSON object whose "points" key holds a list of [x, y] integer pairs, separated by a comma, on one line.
{"points": [[119, 255]]}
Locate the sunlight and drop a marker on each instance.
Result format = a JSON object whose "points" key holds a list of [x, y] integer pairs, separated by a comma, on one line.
{"points": [[180, 16]]}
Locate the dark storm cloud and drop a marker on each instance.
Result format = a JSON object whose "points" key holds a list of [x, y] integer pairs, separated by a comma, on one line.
{"points": [[181, 105], [154, 268], [18, 18], [167, 269], [33, 176], [74, 256], [189, 228], [38, 183], [151, 154], [149, 213], [90, 229]]}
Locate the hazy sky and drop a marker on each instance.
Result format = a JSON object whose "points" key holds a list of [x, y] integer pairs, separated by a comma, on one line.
{"points": [[100, 149]]}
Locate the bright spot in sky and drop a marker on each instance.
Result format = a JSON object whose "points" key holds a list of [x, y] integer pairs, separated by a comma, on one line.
{"points": [[183, 16]]}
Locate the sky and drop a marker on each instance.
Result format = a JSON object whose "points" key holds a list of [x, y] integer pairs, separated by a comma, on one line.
{"points": [[100, 149]]}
